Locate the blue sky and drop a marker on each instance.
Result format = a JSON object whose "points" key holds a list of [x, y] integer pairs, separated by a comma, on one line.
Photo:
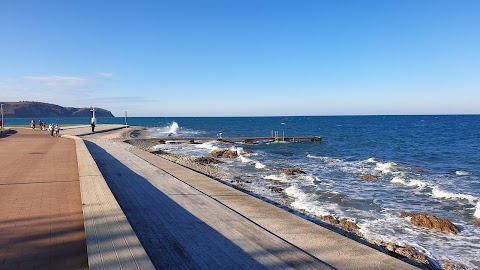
{"points": [[243, 58]]}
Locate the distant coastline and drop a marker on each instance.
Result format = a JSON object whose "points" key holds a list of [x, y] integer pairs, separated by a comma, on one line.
{"points": [[33, 109]]}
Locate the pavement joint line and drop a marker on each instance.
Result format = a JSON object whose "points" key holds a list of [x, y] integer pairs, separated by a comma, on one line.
{"points": [[96, 196]]}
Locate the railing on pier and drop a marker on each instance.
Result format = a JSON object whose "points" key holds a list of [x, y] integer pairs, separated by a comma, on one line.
{"points": [[248, 140]]}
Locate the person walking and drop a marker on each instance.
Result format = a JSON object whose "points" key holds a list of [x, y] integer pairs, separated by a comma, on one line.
{"points": [[93, 126], [50, 128], [57, 131], [32, 124]]}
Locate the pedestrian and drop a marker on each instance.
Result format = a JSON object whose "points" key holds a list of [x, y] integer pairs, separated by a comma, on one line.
{"points": [[57, 131], [50, 128], [32, 124], [93, 126]]}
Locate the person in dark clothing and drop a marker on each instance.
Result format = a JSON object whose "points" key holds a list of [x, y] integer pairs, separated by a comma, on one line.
{"points": [[93, 126]]}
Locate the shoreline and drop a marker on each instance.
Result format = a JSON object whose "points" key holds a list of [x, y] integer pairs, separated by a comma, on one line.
{"points": [[347, 228]]}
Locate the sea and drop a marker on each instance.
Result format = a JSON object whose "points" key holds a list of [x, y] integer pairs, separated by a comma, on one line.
{"points": [[425, 163]]}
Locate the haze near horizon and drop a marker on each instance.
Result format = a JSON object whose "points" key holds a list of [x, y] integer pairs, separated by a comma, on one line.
{"points": [[243, 58]]}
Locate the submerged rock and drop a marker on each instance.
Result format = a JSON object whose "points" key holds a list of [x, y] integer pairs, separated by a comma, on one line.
{"points": [[247, 151], [275, 189], [369, 177], [293, 171], [157, 152], [206, 160], [348, 225], [476, 221], [224, 153], [447, 265], [431, 222]]}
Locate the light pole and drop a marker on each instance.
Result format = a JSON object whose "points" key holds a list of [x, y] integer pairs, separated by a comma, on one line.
{"points": [[1, 108], [126, 125]]}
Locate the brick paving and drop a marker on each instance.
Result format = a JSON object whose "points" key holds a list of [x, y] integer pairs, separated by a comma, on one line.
{"points": [[41, 218]]}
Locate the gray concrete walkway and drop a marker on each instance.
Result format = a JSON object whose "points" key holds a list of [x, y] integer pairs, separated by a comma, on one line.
{"points": [[186, 220]]}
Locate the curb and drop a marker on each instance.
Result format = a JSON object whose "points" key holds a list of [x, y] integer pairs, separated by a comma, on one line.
{"points": [[111, 241]]}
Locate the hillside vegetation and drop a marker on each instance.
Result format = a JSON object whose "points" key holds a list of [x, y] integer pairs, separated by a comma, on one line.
{"points": [[32, 109]]}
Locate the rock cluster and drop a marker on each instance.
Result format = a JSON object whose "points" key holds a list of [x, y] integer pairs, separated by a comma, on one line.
{"points": [[405, 251], [293, 171], [431, 222], [223, 153], [344, 223], [206, 160], [369, 177]]}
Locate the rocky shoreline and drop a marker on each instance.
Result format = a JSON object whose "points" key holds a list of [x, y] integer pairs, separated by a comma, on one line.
{"points": [[209, 167]]}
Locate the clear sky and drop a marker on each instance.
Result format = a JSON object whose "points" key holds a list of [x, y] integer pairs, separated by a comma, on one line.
{"points": [[243, 57]]}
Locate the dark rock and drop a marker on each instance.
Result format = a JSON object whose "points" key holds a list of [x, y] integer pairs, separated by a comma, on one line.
{"points": [[157, 152], [330, 219], [206, 160], [223, 153], [348, 225], [369, 177], [431, 222], [230, 154], [292, 171], [275, 189], [405, 251]]}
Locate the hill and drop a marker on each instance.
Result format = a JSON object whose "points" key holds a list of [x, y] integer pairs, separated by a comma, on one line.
{"points": [[32, 109]]}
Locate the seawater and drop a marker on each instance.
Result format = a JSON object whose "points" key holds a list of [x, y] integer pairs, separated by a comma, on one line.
{"points": [[428, 164]]}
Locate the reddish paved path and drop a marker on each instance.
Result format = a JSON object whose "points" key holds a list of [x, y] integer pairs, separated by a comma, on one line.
{"points": [[41, 220]]}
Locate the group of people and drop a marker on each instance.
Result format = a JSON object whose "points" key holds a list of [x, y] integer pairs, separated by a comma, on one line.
{"points": [[53, 129]]}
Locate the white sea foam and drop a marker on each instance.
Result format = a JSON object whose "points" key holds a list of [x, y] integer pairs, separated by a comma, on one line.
{"points": [[325, 159], [436, 191], [259, 165], [245, 159], [462, 173], [276, 178], [384, 167], [172, 129], [308, 178], [302, 201], [207, 145], [410, 182], [477, 210], [439, 193], [371, 160]]}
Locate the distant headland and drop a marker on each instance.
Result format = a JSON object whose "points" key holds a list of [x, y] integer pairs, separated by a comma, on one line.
{"points": [[33, 109]]}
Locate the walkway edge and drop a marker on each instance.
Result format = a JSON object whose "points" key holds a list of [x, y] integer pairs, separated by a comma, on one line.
{"points": [[111, 241]]}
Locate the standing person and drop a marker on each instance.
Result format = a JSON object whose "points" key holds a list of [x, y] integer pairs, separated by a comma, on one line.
{"points": [[57, 131], [50, 128], [93, 126], [32, 124]]}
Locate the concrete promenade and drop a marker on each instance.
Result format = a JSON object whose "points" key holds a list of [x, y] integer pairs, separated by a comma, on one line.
{"points": [[186, 220], [41, 220]]}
